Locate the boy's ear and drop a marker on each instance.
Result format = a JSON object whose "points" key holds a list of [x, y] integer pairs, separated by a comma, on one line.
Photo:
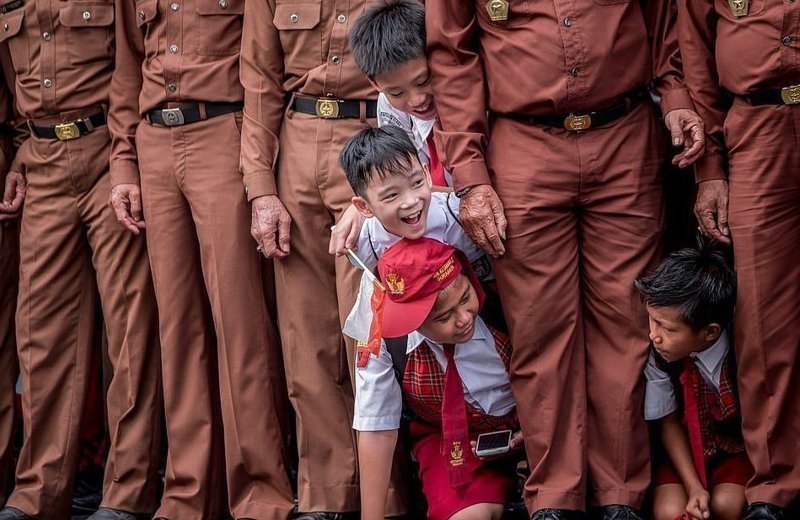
{"points": [[362, 206], [427, 169], [712, 332]]}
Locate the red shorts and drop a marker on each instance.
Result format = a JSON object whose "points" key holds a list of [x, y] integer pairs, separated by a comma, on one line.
{"points": [[725, 469], [492, 482]]}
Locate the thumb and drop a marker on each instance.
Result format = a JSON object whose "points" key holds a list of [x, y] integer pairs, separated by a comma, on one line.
{"points": [[499, 217], [676, 130], [10, 189]]}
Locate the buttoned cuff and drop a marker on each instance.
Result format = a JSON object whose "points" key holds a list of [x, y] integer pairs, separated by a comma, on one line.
{"points": [[674, 99], [709, 167], [259, 184], [470, 174], [123, 172]]}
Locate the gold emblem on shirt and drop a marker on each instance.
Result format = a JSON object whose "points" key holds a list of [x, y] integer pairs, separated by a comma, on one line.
{"points": [[456, 454], [497, 9], [791, 95], [739, 8]]}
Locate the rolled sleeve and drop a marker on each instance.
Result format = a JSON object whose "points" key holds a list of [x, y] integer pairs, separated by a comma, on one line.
{"points": [[379, 400]]}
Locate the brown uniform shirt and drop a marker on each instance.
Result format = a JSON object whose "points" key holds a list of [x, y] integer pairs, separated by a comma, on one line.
{"points": [[291, 48], [722, 52], [62, 54], [169, 51], [548, 57]]}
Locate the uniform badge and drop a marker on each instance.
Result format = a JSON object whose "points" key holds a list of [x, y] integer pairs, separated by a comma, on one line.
{"points": [[739, 8], [497, 9], [456, 454], [395, 284], [362, 354]]}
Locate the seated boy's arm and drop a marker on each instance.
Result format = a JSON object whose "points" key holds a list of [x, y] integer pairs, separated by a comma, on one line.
{"points": [[375, 456], [346, 233], [676, 443]]}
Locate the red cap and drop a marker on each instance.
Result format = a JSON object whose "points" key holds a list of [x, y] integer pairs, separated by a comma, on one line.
{"points": [[413, 272]]}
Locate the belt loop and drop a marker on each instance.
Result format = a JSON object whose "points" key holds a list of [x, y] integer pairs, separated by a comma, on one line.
{"points": [[362, 111], [289, 110], [201, 108]]}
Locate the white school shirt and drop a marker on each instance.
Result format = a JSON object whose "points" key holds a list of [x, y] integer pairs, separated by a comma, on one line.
{"points": [[659, 394], [442, 225], [379, 399]]}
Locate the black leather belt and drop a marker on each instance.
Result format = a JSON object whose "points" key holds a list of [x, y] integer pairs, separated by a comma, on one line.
{"points": [[585, 121], [778, 96], [190, 113], [325, 108], [69, 130]]}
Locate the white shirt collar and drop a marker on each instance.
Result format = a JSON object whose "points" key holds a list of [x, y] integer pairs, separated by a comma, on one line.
{"points": [[712, 357]]}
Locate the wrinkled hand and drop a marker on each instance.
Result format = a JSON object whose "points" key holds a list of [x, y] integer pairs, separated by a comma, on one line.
{"points": [[514, 446], [271, 226], [697, 505], [687, 131], [344, 235], [711, 210], [126, 201], [483, 219], [13, 196]]}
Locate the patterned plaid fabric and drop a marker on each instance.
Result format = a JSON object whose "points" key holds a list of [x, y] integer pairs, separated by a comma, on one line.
{"points": [[720, 422], [423, 389]]}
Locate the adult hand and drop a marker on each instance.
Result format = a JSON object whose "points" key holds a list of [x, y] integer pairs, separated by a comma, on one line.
{"points": [[271, 226], [13, 196], [483, 219], [711, 209], [687, 130], [344, 235], [697, 505], [126, 201]]}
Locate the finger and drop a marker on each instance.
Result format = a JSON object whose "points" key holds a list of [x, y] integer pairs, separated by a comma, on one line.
{"points": [[493, 236], [722, 216], [268, 237], [709, 225], [136, 205], [676, 130], [351, 242], [284, 229], [8, 192], [123, 218]]}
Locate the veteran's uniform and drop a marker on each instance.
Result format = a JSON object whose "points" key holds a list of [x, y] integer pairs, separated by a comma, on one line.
{"points": [[305, 96], [742, 62], [72, 247], [573, 150], [175, 119]]}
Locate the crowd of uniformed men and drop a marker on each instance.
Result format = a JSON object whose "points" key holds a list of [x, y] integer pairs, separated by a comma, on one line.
{"points": [[147, 142]]}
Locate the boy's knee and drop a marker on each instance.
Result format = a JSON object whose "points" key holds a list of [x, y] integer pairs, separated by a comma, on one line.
{"points": [[727, 506], [668, 511], [480, 512]]}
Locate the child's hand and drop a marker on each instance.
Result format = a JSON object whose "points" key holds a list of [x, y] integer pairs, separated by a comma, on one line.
{"points": [[344, 235], [697, 506]]}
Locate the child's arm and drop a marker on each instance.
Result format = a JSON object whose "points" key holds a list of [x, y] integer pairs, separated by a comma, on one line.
{"points": [[375, 456], [676, 442]]}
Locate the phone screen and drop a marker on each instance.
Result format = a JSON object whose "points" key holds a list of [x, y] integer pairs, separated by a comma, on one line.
{"points": [[494, 440]]}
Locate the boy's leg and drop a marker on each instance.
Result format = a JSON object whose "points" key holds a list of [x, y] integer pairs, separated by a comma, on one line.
{"points": [[536, 174], [9, 276], [669, 501], [620, 230], [728, 502], [764, 216]]}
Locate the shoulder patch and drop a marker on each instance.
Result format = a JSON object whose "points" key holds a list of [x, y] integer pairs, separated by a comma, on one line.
{"points": [[362, 354]]}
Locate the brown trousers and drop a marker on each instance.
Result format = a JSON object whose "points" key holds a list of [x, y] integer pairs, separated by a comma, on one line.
{"points": [[9, 274], [315, 293], [764, 216], [585, 218], [216, 334], [71, 247]]}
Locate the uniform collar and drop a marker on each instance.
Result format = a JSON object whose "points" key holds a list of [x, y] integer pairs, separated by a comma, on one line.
{"points": [[416, 338], [712, 357]]}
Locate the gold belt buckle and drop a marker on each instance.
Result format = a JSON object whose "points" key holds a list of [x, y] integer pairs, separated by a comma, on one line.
{"points": [[575, 123], [67, 131], [791, 94], [327, 108]]}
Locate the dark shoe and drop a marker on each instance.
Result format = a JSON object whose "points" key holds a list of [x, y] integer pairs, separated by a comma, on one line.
{"points": [[757, 511], [12, 513], [323, 515], [87, 496], [105, 513], [553, 514], [618, 512]]}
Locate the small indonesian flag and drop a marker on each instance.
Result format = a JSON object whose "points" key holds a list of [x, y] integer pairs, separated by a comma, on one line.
{"points": [[364, 323]]}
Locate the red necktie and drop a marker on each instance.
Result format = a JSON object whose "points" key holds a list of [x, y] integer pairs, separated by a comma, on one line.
{"points": [[436, 166], [455, 434], [689, 381]]}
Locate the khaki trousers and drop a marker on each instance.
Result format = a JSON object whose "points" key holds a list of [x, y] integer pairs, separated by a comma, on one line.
{"points": [[218, 339], [315, 293], [585, 219], [764, 215], [71, 248], [9, 274]]}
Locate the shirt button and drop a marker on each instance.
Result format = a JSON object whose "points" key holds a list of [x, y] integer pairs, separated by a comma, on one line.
{"points": [[175, 6], [223, 4], [46, 36], [141, 15], [568, 22], [573, 72], [173, 49], [86, 15], [787, 40], [341, 18], [172, 87], [48, 83], [294, 18], [335, 60], [5, 26], [329, 94]]}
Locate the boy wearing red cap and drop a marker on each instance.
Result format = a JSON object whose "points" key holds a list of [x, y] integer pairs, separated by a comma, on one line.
{"points": [[452, 377]]}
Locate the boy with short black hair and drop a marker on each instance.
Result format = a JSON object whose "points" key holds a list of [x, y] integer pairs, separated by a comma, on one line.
{"points": [[690, 300]]}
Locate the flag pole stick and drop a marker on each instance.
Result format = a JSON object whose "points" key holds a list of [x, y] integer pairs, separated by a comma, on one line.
{"points": [[366, 269]]}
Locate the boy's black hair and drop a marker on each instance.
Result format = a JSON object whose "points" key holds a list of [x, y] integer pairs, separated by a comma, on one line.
{"points": [[699, 281], [376, 151], [388, 35]]}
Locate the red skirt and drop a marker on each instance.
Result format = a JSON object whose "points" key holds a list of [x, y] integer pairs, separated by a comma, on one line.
{"points": [[492, 482], [723, 469]]}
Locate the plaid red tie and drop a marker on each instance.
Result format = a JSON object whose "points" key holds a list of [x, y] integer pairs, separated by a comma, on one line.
{"points": [[690, 382], [437, 168], [455, 433]]}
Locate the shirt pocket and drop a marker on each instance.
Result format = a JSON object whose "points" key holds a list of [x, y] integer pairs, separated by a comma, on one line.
{"points": [[723, 8], [519, 12], [89, 31], [298, 25], [146, 14], [219, 27], [12, 25]]}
